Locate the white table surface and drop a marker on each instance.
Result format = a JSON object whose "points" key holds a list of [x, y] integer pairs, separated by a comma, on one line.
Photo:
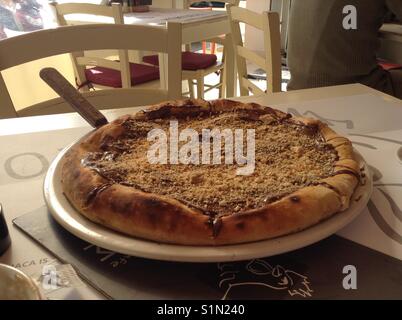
{"points": [[155, 16], [371, 119], [392, 29], [391, 42]]}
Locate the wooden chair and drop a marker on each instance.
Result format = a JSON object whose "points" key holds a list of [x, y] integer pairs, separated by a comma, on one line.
{"points": [[45, 43], [196, 66], [214, 42], [268, 22], [105, 73]]}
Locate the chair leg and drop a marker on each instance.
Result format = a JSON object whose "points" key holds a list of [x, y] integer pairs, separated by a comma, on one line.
{"points": [[222, 77], [222, 82], [200, 87], [191, 88]]}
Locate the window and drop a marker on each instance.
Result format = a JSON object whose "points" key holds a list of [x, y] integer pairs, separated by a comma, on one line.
{"points": [[21, 16]]}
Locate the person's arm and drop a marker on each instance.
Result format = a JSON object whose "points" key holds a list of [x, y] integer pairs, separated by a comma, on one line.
{"points": [[395, 6]]}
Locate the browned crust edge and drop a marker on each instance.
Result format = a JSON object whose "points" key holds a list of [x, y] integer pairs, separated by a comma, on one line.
{"points": [[163, 219]]}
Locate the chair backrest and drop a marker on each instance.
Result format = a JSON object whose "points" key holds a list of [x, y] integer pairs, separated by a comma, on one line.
{"points": [[45, 43], [268, 22], [80, 62]]}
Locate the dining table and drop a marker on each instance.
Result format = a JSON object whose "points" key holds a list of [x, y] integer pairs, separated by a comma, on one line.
{"points": [[369, 118], [197, 26]]}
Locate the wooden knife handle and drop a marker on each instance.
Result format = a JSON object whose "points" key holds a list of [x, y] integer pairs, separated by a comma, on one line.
{"points": [[65, 90]]}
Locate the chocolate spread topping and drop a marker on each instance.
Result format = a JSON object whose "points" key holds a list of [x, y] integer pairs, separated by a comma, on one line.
{"points": [[289, 156]]}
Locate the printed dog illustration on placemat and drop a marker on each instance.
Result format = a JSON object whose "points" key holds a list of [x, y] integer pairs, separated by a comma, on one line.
{"points": [[259, 273]]}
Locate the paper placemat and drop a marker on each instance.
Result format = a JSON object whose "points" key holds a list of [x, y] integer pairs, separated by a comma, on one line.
{"points": [[363, 113], [335, 268]]}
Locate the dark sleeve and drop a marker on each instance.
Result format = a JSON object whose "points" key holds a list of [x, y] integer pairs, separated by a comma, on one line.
{"points": [[395, 6]]}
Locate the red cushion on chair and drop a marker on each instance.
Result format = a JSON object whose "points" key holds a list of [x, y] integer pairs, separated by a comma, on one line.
{"points": [[189, 60], [140, 73], [389, 65]]}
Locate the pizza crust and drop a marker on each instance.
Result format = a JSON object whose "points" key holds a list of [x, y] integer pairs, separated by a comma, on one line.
{"points": [[163, 219]]}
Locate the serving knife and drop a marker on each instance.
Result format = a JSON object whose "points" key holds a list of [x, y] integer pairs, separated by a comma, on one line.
{"points": [[71, 95]]}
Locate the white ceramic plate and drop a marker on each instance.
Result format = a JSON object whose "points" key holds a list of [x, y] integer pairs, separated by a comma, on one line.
{"points": [[103, 237]]}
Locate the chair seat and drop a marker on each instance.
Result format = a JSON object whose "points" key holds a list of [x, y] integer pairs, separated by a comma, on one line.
{"points": [[140, 73], [189, 60], [389, 65]]}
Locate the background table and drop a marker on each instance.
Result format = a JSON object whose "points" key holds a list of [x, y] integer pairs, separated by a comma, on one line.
{"points": [[371, 119]]}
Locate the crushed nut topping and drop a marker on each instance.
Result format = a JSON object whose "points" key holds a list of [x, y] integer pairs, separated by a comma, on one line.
{"points": [[288, 156]]}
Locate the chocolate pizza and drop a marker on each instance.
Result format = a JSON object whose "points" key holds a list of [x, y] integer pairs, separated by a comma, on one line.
{"points": [[194, 172]]}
